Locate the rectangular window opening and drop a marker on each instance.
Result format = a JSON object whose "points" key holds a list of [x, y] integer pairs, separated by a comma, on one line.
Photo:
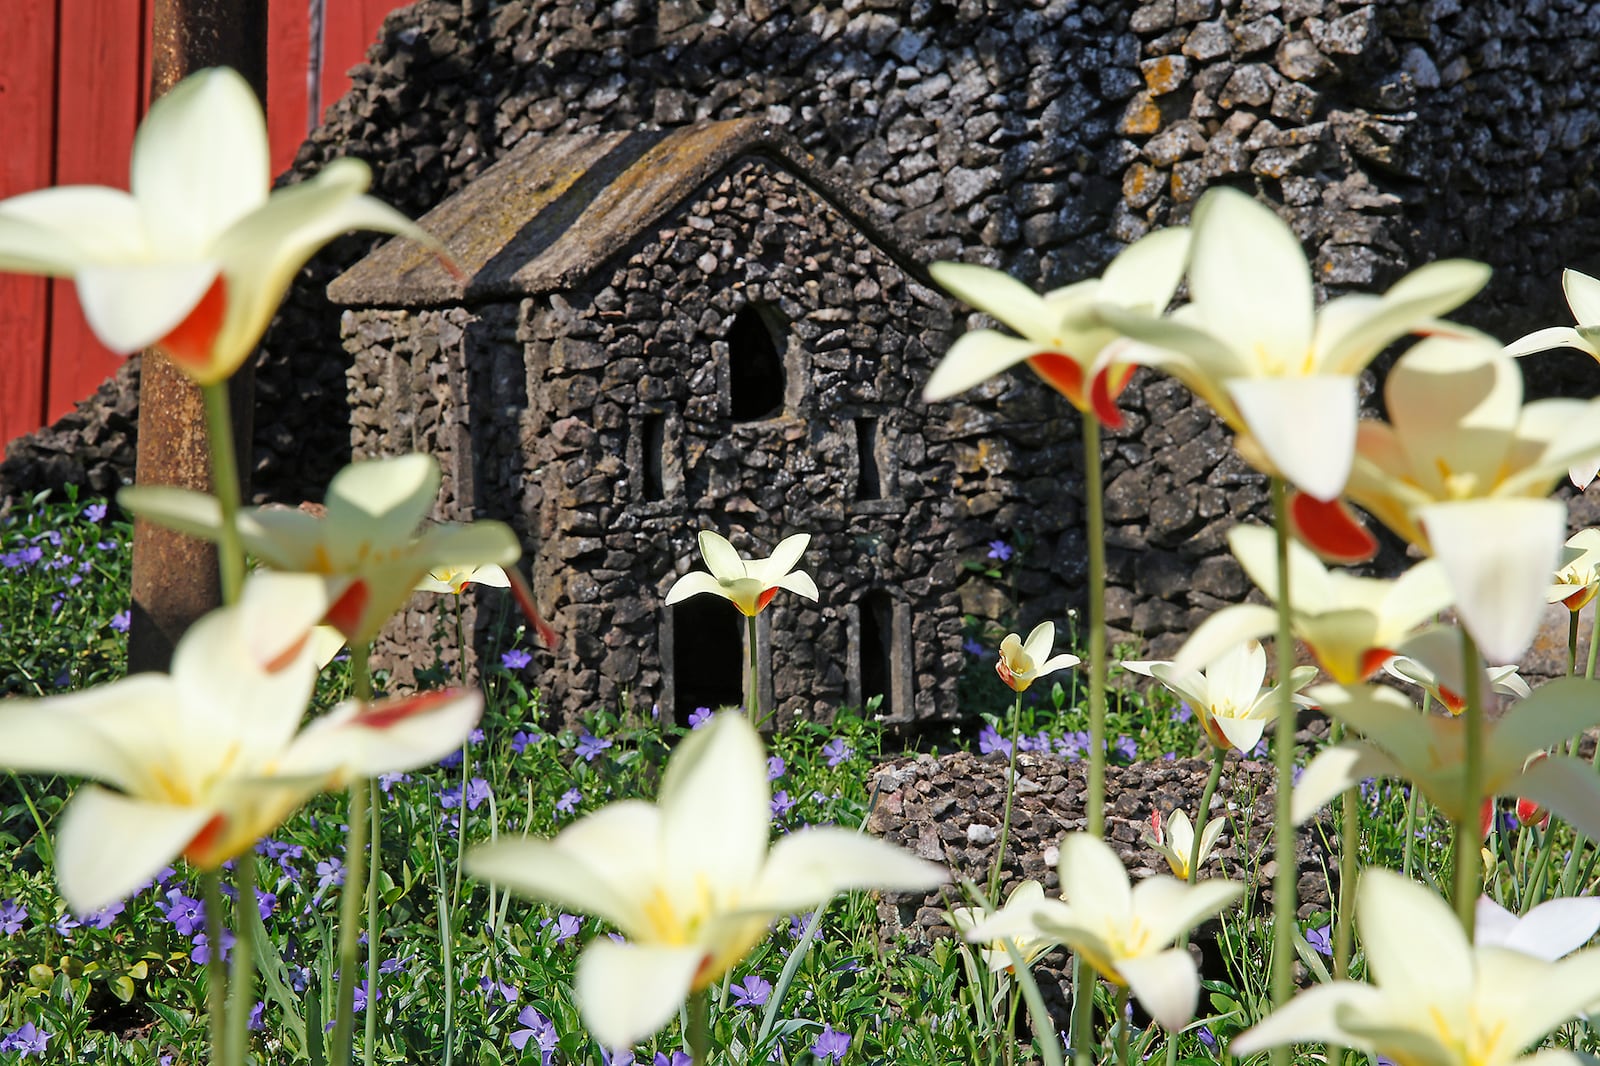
{"points": [[869, 479], [653, 437]]}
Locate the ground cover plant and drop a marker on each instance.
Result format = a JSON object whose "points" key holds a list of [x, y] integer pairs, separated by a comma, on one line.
{"points": [[266, 856]]}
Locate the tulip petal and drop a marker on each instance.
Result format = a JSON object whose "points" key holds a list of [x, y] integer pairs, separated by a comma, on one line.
{"points": [[590, 866], [1306, 426], [382, 499], [1334, 770], [58, 231], [997, 294], [110, 844], [1409, 306], [1092, 877], [472, 545], [1412, 938], [264, 251], [1226, 629], [195, 513], [692, 584], [1146, 273], [628, 991], [1168, 906], [975, 357], [1242, 734], [1166, 984], [131, 306], [1560, 709], [806, 867], [1542, 340], [1041, 638], [1536, 995], [1256, 548], [1249, 277], [1583, 296], [1313, 1016], [722, 559], [1554, 928], [108, 733], [1566, 786], [1454, 404], [200, 159], [402, 733], [1331, 529], [715, 805], [784, 557], [798, 582], [1498, 554]]}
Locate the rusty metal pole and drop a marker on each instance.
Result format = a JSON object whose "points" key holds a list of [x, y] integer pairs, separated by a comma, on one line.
{"points": [[175, 577]]}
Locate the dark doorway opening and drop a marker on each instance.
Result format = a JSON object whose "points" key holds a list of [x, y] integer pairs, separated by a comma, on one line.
{"points": [[877, 647], [755, 365], [707, 656]]}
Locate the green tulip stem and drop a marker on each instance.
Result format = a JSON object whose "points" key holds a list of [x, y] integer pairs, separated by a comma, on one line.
{"points": [[216, 973], [1594, 642], [1083, 982], [1572, 643], [225, 484], [1212, 780], [1283, 833], [242, 980], [1469, 859], [1122, 1024], [361, 687], [355, 869], [1011, 788], [1094, 505], [752, 696], [1349, 871], [700, 1026]]}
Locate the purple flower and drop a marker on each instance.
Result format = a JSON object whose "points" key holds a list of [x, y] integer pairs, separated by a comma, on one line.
{"points": [[1126, 748], [1183, 713], [490, 988], [1207, 1037], [266, 903], [775, 767], [1260, 750], [539, 1029], [102, 918], [200, 953], [972, 647], [254, 1024], [616, 1057], [478, 793], [515, 659], [753, 991], [330, 872], [569, 800], [121, 620], [837, 751], [361, 997], [677, 1058], [567, 927], [12, 915], [95, 512], [1320, 940], [990, 741], [589, 746], [389, 780], [452, 760], [781, 803], [1000, 551], [830, 1044], [66, 924], [520, 740], [1074, 745], [798, 923], [699, 717], [28, 1040], [186, 913]]}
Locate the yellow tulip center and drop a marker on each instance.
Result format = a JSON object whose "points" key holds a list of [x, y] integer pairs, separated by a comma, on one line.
{"points": [[1479, 1045]]}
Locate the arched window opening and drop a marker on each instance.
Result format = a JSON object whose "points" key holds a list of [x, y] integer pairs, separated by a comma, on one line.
{"points": [[877, 648], [707, 656], [755, 364]]}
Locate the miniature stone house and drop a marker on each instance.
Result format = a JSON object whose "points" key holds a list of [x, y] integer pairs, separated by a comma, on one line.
{"points": [[654, 333]]}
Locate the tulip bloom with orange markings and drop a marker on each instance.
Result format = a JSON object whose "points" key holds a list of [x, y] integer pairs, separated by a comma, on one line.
{"points": [[1061, 339], [196, 258], [749, 584], [1022, 662], [205, 760]]}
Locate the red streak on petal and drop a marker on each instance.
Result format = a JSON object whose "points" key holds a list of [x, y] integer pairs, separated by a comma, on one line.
{"points": [[1063, 374], [530, 610], [765, 598], [196, 851], [1453, 702], [450, 267], [190, 342], [702, 974], [1331, 529], [1006, 675], [1529, 813], [346, 612], [288, 655], [391, 712], [1155, 824], [1372, 661], [1486, 817], [1103, 392]]}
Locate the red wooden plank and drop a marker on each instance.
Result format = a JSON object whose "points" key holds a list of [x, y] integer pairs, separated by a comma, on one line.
{"points": [[27, 129], [349, 28], [98, 76], [288, 71]]}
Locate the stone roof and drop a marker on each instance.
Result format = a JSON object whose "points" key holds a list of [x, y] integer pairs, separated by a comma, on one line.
{"points": [[559, 207]]}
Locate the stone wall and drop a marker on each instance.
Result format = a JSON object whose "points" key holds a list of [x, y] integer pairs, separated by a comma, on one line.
{"points": [[1036, 135]]}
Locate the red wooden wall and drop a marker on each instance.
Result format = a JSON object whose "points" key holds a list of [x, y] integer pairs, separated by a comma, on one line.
{"points": [[74, 81]]}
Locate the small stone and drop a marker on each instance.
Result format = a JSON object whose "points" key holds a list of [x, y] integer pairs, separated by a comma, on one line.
{"points": [[1195, 10], [1299, 59], [980, 834], [1250, 85], [1165, 74], [1349, 35], [1176, 142], [1296, 102], [1141, 116], [1152, 17], [1207, 41], [1420, 66], [1141, 184], [1258, 35]]}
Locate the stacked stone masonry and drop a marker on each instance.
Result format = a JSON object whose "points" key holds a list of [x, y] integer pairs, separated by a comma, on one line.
{"points": [[1033, 135]]}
